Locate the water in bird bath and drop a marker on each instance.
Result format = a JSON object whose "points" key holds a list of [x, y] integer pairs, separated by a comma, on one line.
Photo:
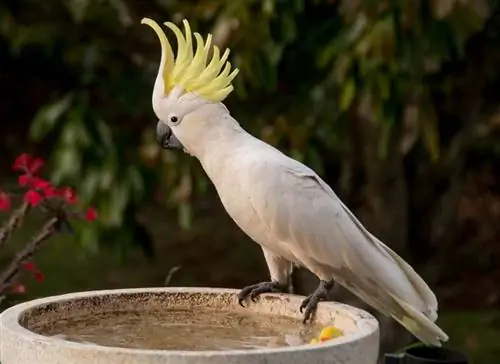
{"points": [[181, 329]]}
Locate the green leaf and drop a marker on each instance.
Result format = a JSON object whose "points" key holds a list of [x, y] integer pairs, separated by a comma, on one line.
{"points": [[117, 200], [89, 237], [77, 9], [90, 183], [74, 132], [341, 44], [135, 181], [288, 29], [347, 95], [185, 215], [268, 6], [67, 163], [108, 174], [105, 136], [47, 117]]}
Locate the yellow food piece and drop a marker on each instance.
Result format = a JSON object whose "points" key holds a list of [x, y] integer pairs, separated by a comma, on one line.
{"points": [[330, 332], [327, 333]]}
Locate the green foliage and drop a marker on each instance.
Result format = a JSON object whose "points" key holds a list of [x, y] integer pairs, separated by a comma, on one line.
{"points": [[308, 65], [384, 54]]}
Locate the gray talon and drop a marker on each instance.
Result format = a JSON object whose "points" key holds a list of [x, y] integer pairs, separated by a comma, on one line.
{"points": [[255, 290], [310, 304]]}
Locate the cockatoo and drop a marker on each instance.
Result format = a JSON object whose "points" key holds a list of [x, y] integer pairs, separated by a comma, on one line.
{"points": [[280, 203]]}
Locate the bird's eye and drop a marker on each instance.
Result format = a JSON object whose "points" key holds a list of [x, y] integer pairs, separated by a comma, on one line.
{"points": [[174, 119]]}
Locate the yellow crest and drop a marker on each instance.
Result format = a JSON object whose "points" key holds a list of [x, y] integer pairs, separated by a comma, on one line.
{"points": [[190, 70]]}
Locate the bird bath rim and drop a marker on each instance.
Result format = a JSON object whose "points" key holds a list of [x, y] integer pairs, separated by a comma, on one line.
{"points": [[10, 322]]}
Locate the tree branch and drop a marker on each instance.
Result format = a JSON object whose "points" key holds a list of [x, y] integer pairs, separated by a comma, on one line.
{"points": [[16, 220], [47, 230]]}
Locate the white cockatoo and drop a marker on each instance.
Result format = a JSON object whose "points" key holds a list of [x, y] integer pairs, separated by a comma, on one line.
{"points": [[277, 201]]}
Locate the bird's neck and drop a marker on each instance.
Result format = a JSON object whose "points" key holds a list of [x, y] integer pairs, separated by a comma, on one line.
{"points": [[221, 146]]}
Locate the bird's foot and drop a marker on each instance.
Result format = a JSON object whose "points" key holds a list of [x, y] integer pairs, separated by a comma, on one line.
{"points": [[256, 290], [310, 304]]}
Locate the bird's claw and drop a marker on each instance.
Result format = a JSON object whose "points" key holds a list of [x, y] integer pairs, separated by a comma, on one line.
{"points": [[243, 294], [304, 304], [310, 304], [255, 290]]}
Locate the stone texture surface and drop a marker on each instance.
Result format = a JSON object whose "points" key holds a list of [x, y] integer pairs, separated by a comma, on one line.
{"points": [[19, 345]]}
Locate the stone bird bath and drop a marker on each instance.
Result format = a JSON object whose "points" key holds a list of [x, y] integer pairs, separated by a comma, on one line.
{"points": [[180, 326]]}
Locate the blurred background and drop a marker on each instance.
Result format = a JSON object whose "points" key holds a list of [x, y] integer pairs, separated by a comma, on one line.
{"points": [[393, 103]]}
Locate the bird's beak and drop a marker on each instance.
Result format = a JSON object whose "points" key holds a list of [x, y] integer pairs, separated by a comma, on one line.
{"points": [[166, 138]]}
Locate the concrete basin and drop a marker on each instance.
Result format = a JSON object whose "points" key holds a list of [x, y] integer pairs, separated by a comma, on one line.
{"points": [[28, 330]]}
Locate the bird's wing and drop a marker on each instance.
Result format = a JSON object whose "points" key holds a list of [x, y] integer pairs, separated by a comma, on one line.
{"points": [[291, 200]]}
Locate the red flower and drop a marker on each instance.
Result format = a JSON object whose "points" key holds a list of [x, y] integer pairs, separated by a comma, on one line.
{"points": [[39, 276], [69, 195], [24, 180], [36, 183], [4, 201], [21, 162], [50, 191], [29, 266], [33, 198], [26, 163], [39, 183], [18, 288], [36, 165], [91, 214]]}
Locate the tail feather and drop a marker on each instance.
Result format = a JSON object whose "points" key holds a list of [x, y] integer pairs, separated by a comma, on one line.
{"points": [[418, 283], [420, 322], [420, 325], [416, 322], [420, 286]]}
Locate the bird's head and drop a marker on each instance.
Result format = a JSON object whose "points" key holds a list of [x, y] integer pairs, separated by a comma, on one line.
{"points": [[188, 86]]}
